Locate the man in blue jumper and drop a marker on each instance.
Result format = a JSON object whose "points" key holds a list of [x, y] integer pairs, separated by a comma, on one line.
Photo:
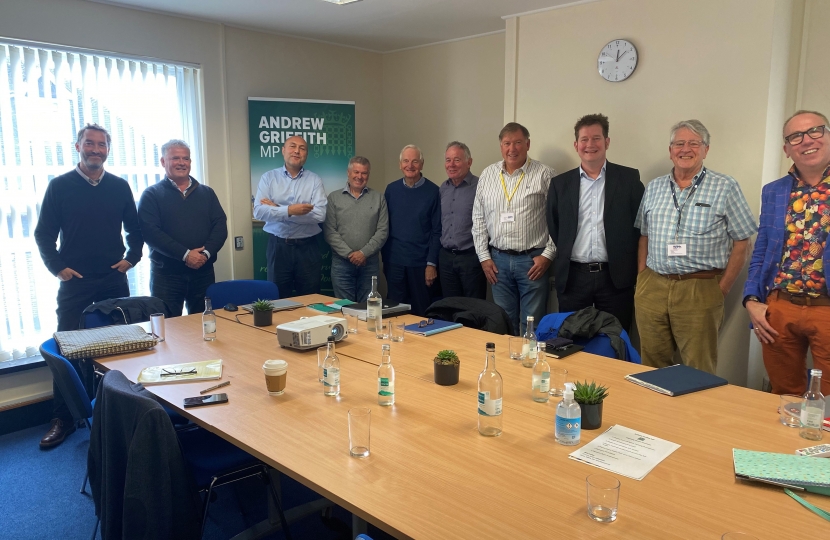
{"points": [[410, 254], [87, 207], [185, 227]]}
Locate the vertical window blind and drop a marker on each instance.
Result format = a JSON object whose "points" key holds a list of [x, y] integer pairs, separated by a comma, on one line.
{"points": [[46, 96]]}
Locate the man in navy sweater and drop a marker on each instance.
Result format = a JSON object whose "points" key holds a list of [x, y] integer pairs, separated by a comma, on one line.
{"points": [[410, 254], [86, 207], [185, 227]]}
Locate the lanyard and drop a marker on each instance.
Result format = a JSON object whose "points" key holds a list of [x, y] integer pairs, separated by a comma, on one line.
{"points": [[504, 186], [688, 198]]}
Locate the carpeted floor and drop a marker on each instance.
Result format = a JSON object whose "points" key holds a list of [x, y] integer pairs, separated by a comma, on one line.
{"points": [[40, 496]]}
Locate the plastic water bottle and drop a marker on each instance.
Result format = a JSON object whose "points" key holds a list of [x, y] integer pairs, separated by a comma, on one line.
{"points": [[568, 418]]}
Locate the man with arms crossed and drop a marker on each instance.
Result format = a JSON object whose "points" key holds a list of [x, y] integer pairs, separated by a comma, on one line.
{"points": [[356, 227], [292, 203], [411, 252], [695, 226], [87, 208], [591, 213], [509, 230], [786, 289], [458, 266], [185, 227]]}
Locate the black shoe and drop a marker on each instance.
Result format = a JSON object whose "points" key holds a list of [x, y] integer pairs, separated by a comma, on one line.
{"points": [[57, 433]]}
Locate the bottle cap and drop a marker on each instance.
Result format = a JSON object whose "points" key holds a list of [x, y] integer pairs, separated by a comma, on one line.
{"points": [[384, 347], [815, 373], [491, 345], [330, 338], [530, 318]]}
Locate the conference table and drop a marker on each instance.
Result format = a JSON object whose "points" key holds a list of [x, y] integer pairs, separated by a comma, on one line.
{"points": [[431, 475]]}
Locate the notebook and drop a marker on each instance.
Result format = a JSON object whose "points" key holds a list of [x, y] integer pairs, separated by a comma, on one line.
{"points": [[436, 327], [676, 380], [786, 470], [276, 305], [330, 307]]}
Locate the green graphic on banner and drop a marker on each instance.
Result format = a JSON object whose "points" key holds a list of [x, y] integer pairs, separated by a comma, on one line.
{"points": [[327, 127]]}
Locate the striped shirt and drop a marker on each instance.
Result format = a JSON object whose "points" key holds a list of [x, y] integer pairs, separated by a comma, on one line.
{"points": [[529, 229], [716, 214]]}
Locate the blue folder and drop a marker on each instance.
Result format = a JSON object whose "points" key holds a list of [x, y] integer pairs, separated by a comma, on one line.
{"points": [[436, 328], [676, 380]]}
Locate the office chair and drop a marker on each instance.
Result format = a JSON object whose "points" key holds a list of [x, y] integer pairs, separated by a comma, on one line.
{"points": [[70, 386], [241, 291], [600, 344], [163, 464]]}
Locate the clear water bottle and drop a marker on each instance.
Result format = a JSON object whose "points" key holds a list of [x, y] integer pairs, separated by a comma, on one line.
{"points": [[568, 418], [489, 396], [208, 322], [540, 385], [386, 378], [331, 370], [812, 410], [374, 307], [529, 348]]}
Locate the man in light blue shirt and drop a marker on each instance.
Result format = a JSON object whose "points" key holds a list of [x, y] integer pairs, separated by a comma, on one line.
{"points": [[292, 202]]}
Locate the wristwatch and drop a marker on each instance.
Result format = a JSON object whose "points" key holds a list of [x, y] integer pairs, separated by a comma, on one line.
{"points": [[752, 297]]}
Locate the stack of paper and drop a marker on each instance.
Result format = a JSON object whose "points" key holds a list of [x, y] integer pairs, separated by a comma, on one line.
{"points": [[624, 451]]}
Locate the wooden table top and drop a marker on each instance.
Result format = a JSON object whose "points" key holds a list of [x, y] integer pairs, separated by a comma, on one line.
{"points": [[431, 475]]}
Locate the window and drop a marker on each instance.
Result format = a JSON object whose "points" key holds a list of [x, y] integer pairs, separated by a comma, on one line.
{"points": [[46, 95]]}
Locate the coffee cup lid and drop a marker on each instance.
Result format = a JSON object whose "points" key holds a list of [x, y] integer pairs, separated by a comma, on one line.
{"points": [[275, 367]]}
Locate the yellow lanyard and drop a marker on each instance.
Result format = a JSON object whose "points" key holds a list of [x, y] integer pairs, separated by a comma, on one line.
{"points": [[504, 187]]}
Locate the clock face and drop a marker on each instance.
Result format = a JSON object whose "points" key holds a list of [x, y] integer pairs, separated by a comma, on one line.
{"points": [[617, 60]]}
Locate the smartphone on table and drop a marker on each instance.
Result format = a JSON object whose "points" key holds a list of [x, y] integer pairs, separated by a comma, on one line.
{"points": [[201, 401]]}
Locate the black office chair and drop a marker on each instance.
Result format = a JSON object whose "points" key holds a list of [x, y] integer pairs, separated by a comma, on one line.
{"points": [[165, 466], [472, 313]]}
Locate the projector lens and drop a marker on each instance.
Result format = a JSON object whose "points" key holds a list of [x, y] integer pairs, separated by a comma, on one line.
{"points": [[338, 332]]}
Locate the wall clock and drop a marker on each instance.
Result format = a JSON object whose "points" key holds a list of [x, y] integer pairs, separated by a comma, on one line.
{"points": [[617, 60]]}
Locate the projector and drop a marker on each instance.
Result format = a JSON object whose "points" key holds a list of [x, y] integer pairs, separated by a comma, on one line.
{"points": [[311, 332]]}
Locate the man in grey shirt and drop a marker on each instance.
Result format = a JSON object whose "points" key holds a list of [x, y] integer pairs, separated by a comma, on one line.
{"points": [[356, 227], [458, 267]]}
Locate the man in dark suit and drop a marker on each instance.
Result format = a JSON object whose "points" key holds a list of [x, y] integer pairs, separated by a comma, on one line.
{"points": [[590, 213]]}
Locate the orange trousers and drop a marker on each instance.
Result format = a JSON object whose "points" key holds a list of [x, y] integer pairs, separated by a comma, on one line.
{"points": [[798, 327]]}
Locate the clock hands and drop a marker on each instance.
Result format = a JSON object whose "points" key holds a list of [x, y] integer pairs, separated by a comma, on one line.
{"points": [[620, 55]]}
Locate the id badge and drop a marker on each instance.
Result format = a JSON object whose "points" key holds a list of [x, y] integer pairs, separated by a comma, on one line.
{"points": [[508, 217], [677, 250]]}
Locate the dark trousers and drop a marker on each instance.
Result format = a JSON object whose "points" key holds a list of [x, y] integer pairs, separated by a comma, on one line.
{"points": [[179, 289], [73, 297], [294, 265], [596, 289], [461, 274], [407, 284]]}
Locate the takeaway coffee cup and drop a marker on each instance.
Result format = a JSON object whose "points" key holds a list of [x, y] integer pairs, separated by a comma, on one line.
{"points": [[276, 373]]}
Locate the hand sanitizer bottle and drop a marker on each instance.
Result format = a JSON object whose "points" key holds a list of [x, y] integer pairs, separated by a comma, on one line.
{"points": [[568, 418]]}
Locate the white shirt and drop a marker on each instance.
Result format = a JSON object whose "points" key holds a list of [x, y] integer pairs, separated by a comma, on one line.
{"points": [[492, 224], [589, 245]]}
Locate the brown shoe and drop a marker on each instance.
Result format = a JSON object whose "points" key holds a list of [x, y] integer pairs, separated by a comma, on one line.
{"points": [[57, 433]]}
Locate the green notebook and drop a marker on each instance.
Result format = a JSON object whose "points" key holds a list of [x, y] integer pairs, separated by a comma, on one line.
{"points": [[331, 307], [787, 470]]}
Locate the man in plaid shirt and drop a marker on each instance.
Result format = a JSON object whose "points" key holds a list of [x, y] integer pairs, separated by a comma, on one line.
{"points": [[786, 290], [695, 226]]}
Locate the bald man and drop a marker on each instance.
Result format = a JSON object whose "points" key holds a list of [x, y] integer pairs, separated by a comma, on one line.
{"points": [[292, 203]]}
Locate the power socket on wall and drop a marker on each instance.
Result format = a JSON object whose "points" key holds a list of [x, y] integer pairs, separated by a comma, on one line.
{"points": [[238, 242]]}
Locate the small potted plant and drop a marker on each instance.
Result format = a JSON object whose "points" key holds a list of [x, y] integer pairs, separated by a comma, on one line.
{"points": [[263, 312], [446, 365], [590, 398]]}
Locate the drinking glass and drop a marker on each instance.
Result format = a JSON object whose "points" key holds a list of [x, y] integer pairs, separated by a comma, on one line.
{"points": [[397, 330], [603, 497], [360, 420], [518, 346], [558, 378], [351, 322]]}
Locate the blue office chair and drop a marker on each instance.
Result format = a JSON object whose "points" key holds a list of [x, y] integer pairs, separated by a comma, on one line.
{"points": [[70, 386], [362, 537], [241, 291], [600, 344]]}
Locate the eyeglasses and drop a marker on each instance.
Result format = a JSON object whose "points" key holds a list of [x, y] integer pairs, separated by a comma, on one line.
{"points": [[677, 145], [814, 133], [177, 372], [424, 324]]}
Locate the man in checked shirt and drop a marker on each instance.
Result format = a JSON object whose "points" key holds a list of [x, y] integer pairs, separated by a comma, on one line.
{"points": [[695, 226]]}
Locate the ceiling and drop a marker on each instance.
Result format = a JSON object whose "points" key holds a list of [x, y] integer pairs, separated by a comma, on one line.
{"points": [[376, 25]]}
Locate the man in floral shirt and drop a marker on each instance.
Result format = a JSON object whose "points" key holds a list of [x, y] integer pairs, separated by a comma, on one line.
{"points": [[786, 290]]}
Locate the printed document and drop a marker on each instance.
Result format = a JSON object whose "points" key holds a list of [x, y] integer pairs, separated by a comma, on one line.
{"points": [[624, 451]]}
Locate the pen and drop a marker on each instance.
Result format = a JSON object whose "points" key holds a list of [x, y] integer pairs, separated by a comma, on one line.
{"points": [[220, 385]]}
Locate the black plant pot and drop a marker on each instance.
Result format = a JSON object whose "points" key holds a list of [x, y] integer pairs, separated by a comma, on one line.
{"points": [[446, 375], [591, 416], [263, 318]]}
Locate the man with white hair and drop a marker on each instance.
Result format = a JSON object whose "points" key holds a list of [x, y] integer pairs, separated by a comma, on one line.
{"points": [[185, 227], [695, 226], [410, 255]]}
